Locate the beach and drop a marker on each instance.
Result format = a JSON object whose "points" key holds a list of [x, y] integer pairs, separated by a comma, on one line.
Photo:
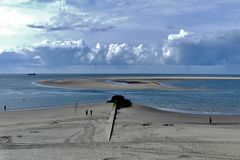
{"points": [[139, 132]]}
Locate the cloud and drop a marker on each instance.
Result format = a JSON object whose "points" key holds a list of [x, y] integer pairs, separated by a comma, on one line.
{"points": [[67, 53], [181, 35], [184, 48], [208, 49], [47, 27], [10, 58], [120, 54], [74, 19]]}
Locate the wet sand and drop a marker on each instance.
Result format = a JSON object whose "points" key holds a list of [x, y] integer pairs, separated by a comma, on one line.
{"points": [[139, 133]]}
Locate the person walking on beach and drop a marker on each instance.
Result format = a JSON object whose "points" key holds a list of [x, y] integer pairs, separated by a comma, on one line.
{"points": [[5, 108], [86, 112], [210, 120], [76, 105], [91, 112]]}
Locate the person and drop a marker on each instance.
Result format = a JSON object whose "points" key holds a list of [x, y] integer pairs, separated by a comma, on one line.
{"points": [[91, 112], [76, 105], [5, 108], [86, 112], [210, 120]]}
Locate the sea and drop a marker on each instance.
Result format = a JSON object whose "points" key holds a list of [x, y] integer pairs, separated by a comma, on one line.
{"points": [[210, 97]]}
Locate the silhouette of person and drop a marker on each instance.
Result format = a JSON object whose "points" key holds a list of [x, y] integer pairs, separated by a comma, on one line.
{"points": [[76, 105], [210, 120], [86, 112], [91, 112], [5, 108]]}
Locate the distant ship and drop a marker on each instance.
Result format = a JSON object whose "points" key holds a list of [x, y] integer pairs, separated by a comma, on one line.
{"points": [[31, 74]]}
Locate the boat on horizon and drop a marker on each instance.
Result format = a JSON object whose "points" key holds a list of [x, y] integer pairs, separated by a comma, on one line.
{"points": [[31, 74]]}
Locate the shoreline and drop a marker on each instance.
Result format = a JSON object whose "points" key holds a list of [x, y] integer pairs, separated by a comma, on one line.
{"points": [[49, 107], [153, 108], [187, 113], [157, 109]]}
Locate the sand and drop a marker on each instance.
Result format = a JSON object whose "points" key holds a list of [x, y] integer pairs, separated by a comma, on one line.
{"points": [[118, 83], [139, 133], [100, 83]]}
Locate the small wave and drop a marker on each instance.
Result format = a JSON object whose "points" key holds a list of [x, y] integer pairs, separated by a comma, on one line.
{"points": [[36, 83], [10, 92], [192, 111]]}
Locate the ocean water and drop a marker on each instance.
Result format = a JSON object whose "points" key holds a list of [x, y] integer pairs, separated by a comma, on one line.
{"points": [[220, 97]]}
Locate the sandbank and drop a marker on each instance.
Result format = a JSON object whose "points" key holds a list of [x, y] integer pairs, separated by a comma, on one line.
{"points": [[119, 83]]}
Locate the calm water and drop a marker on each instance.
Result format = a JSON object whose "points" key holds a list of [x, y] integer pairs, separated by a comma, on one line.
{"points": [[208, 96]]}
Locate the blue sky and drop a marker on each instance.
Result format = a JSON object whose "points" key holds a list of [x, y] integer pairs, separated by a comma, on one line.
{"points": [[120, 36]]}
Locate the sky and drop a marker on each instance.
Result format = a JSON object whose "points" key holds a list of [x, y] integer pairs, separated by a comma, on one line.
{"points": [[120, 36]]}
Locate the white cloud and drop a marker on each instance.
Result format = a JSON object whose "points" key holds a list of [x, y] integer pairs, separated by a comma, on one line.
{"points": [[115, 51], [220, 49], [208, 49], [61, 44], [68, 19], [171, 54], [181, 35], [66, 53]]}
